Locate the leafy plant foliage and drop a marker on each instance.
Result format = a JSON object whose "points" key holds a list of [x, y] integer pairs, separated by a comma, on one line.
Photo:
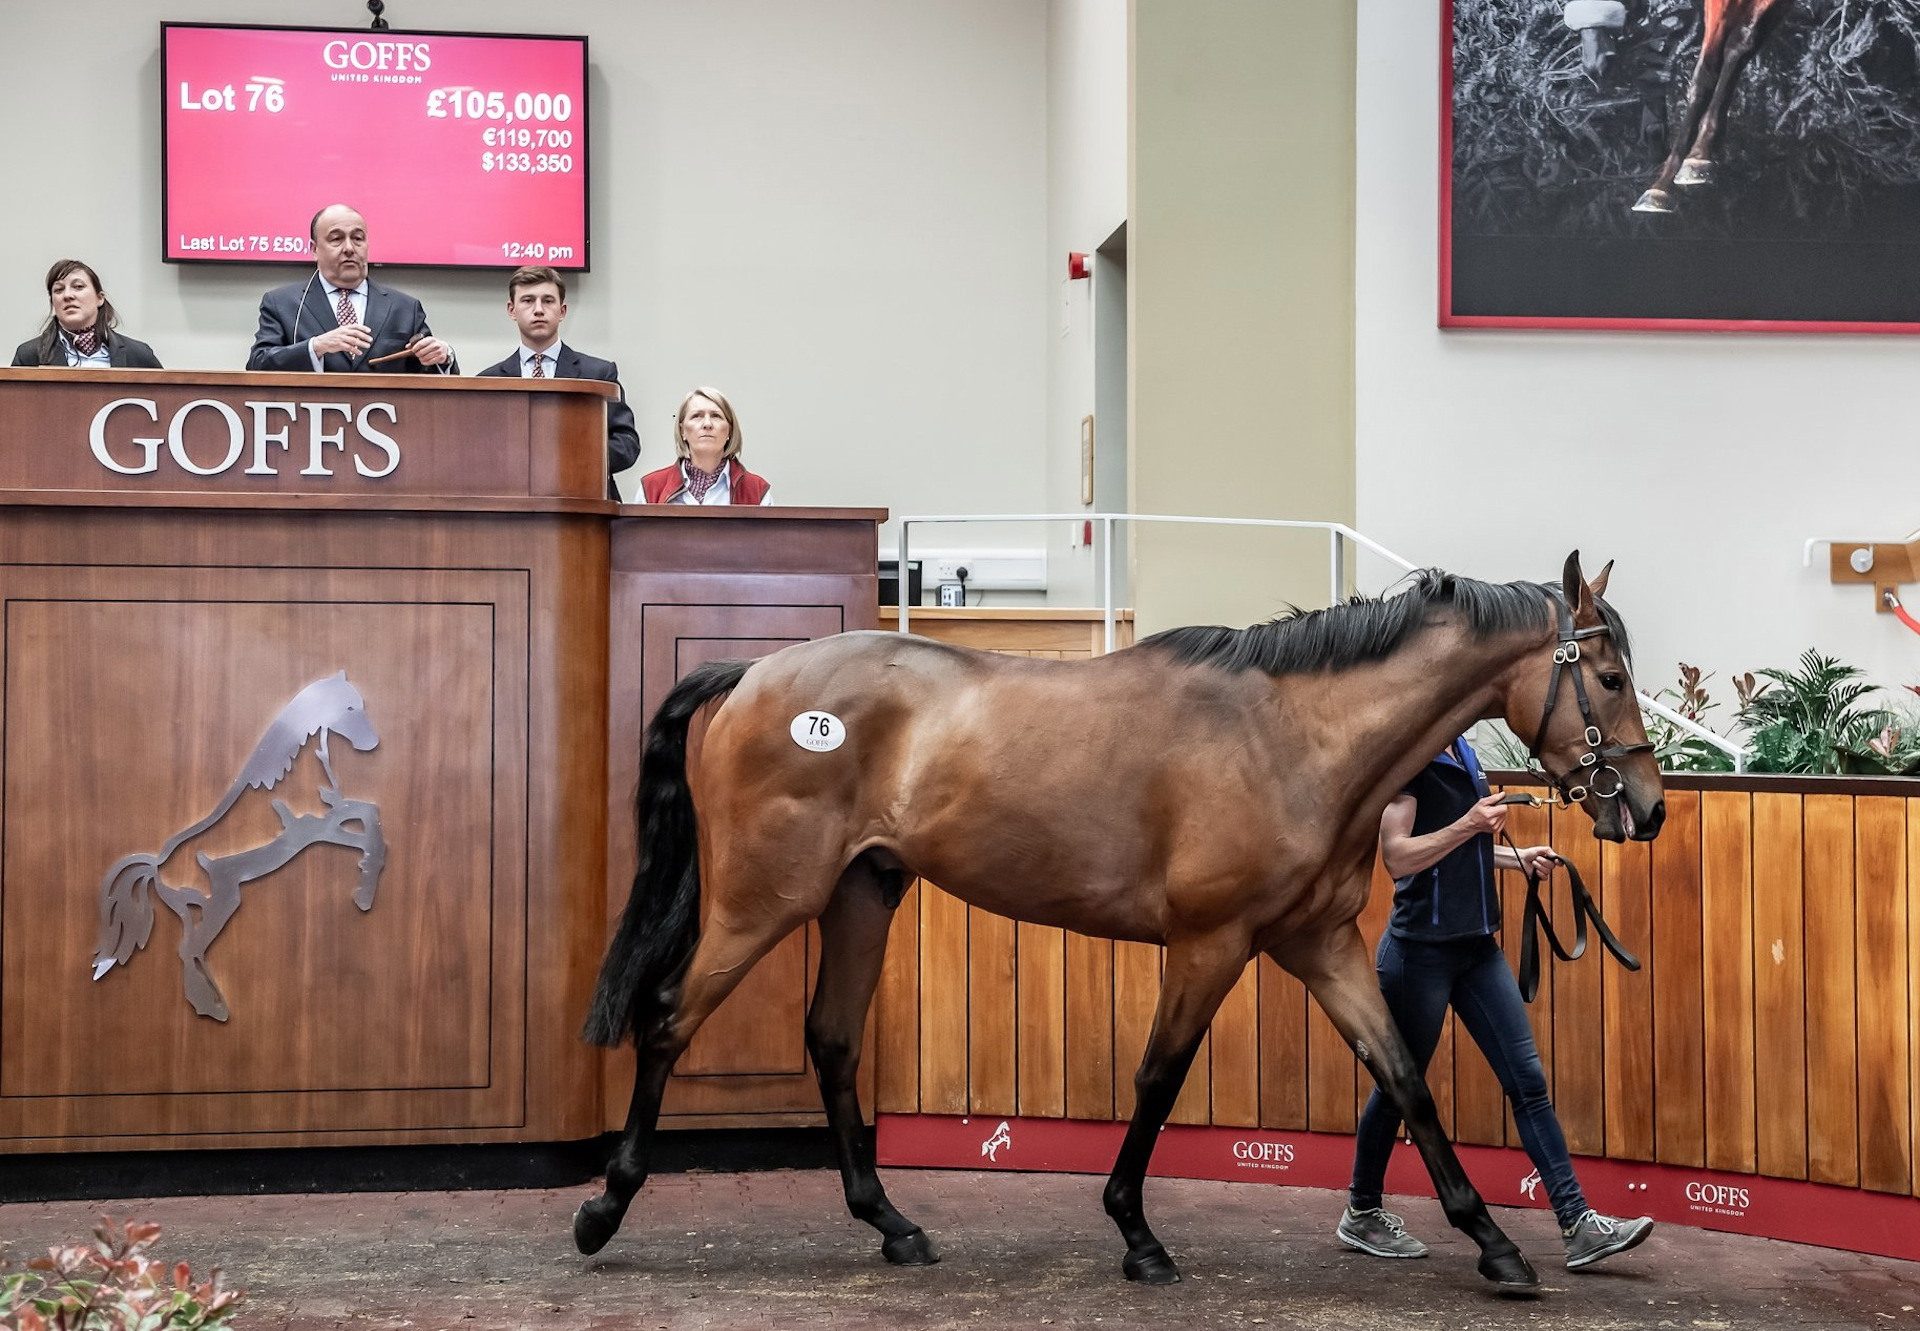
{"points": [[112, 1285]]}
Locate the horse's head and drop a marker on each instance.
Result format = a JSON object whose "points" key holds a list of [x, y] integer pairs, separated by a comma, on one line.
{"points": [[347, 713], [1578, 712], [1598, 22]]}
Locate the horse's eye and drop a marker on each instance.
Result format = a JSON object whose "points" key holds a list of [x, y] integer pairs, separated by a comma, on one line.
{"points": [[1612, 682]]}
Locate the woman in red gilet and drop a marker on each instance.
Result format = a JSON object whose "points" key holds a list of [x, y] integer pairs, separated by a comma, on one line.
{"points": [[707, 436]]}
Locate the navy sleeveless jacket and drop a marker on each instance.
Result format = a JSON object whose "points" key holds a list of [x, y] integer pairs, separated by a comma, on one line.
{"points": [[1455, 898]]}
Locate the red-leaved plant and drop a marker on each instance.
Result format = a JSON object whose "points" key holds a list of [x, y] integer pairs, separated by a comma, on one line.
{"points": [[111, 1284]]}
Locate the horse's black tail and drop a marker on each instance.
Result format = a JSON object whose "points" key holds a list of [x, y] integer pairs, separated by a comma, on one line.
{"points": [[657, 932]]}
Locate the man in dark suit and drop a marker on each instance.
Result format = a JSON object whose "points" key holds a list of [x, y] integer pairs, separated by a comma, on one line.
{"points": [[338, 319], [537, 303]]}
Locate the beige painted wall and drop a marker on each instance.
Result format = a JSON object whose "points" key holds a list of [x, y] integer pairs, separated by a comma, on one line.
{"points": [[835, 211], [1240, 282]]}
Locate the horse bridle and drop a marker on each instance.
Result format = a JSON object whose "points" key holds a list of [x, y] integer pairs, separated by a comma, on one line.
{"points": [[1597, 762]]}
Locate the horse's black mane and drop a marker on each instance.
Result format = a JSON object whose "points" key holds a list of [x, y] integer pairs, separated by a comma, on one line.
{"points": [[1369, 628]]}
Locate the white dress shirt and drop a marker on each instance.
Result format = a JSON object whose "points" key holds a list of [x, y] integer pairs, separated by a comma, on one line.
{"points": [[356, 296], [550, 356]]}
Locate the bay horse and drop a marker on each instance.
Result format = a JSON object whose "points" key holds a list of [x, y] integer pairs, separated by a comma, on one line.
{"points": [[1730, 32], [325, 707], [1217, 791]]}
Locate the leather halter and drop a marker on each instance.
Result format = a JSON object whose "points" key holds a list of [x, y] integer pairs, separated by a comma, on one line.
{"points": [[1597, 762]]}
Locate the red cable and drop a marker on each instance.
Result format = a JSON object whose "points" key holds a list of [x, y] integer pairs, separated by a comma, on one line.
{"points": [[1900, 612]]}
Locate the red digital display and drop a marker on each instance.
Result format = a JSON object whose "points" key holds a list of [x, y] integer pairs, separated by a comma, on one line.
{"points": [[461, 150]]}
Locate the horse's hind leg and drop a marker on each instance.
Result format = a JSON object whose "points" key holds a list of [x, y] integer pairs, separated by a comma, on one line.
{"points": [[730, 945], [1336, 970], [1198, 974], [853, 943]]}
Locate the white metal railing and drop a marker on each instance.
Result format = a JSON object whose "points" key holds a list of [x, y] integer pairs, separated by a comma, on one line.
{"points": [[1337, 532]]}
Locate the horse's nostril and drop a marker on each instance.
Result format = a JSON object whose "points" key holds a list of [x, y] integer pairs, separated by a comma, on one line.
{"points": [[1655, 816]]}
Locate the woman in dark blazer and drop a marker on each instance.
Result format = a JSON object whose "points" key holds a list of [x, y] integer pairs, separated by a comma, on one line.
{"points": [[80, 328]]}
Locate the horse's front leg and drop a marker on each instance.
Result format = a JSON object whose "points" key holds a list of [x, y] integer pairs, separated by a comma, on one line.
{"points": [[1658, 197], [1697, 169], [1341, 978], [1198, 973]]}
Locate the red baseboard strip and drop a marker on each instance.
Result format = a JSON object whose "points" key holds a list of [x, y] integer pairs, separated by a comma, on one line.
{"points": [[1854, 1219]]}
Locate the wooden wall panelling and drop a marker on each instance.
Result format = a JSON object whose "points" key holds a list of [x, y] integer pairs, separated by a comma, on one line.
{"points": [[1726, 962], [1913, 983], [1779, 989], [943, 1002], [1136, 988], [567, 721], [1833, 1151], [1330, 1070], [1091, 1071], [1283, 1047], [1579, 1031], [1679, 1061], [431, 965], [992, 1062], [1626, 1000], [896, 1013], [1234, 1045], [1880, 950], [1042, 1036]]}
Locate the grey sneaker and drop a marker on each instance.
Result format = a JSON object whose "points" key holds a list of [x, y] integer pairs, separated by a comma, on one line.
{"points": [[1378, 1233], [1595, 1237]]}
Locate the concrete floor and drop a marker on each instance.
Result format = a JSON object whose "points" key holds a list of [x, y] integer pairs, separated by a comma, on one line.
{"points": [[776, 1250]]}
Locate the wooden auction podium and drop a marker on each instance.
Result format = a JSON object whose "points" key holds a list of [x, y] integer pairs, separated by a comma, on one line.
{"points": [[326, 688]]}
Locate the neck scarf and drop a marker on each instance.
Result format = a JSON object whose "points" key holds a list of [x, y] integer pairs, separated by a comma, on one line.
{"points": [[86, 341], [699, 482]]}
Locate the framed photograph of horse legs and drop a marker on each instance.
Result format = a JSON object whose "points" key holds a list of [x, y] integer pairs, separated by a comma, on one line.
{"points": [[1680, 164]]}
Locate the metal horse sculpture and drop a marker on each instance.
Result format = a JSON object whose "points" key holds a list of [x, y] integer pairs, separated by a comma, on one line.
{"points": [[1214, 790], [326, 707], [1730, 32]]}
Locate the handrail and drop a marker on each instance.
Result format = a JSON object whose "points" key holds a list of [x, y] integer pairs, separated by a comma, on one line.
{"points": [[1336, 532]]}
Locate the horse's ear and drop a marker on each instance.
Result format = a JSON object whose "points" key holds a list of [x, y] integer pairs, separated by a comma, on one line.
{"points": [[1599, 584], [1574, 587]]}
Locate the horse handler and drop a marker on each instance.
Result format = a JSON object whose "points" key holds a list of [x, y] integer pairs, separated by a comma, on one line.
{"points": [[1437, 840]]}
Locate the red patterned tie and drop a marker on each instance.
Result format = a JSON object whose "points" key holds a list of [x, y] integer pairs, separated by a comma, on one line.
{"points": [[538, 371], [86, 341], [345, 309]]}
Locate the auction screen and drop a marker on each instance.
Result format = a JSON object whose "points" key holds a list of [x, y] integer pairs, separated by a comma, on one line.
{"points": [[460, 149]]}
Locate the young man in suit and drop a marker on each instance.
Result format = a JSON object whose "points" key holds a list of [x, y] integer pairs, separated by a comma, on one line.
{"points": [[537, 304], [340, 320]]}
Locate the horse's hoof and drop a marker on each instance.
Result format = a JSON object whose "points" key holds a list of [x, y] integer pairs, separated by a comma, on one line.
{"points": [[1655, 201], [1151, 1267], [1510, 1271], [912, 1249], [1694, 171], [591, 1230]]}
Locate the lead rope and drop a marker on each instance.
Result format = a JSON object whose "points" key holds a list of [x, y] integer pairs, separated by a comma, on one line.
{"points": [[1535, 921]]}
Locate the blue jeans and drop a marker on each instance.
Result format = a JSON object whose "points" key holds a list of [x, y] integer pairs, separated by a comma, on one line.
{"points": [[1420, 981]]}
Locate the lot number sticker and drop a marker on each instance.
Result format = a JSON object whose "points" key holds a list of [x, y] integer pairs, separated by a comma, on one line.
{"points": [[821, 732]]}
